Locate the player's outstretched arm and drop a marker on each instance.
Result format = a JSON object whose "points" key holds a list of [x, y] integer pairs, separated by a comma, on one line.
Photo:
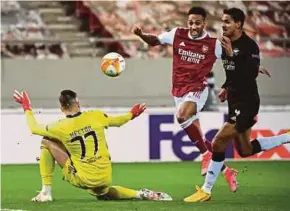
{"points": [[135, 111], [150, 39], [35, 128]]}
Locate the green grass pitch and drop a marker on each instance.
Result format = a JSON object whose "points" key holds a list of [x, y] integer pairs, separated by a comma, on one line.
{"points": [[264, 186]]}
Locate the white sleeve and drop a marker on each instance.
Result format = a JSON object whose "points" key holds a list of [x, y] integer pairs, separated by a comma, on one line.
{"points": [[167, 37], [218, 49]]}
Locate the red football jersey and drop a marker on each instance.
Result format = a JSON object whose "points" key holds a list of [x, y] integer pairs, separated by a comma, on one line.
{"points": [[193, 59]]}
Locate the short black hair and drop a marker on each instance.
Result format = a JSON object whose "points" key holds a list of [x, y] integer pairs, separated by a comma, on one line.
{"points": [[197, 11], [67, 98], [237, 14]]}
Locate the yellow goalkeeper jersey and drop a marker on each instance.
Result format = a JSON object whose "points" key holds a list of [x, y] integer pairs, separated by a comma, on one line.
{"points": [[82, 134]]}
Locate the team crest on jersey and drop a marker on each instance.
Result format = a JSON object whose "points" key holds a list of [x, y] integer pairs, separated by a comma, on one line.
{"points": [[236, 51], [204, 48]]}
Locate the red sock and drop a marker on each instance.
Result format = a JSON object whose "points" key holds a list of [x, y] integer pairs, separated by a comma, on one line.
{"points": [[195, 136], [208, 145]]}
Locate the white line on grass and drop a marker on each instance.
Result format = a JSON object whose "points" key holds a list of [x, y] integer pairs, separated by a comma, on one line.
{"points": [[12, 210]]}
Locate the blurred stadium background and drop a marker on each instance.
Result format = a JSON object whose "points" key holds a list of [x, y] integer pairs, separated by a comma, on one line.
{"points": [[47, 46]]}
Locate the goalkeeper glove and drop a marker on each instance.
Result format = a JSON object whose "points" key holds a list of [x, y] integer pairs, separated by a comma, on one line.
{"points": [[137, 109], [22, 99]]}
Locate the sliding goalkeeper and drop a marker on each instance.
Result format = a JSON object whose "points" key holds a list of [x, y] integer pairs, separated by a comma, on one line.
{"points": [[78, 144]]}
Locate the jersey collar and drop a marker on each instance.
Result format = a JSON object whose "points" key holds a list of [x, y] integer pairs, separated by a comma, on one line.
{"points": [[75, 115], [204, 34]]}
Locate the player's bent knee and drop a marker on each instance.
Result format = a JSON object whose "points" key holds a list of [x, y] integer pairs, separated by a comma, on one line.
{"points": [[45, 141], [48, 141], [184, 114], [181, 119]]}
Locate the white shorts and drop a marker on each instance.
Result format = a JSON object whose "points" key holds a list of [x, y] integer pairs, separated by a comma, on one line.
{"points": [[198, 97]]}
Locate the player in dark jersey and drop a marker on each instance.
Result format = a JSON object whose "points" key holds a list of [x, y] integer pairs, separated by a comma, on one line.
{"points": [[241, 62], [195, 52]]}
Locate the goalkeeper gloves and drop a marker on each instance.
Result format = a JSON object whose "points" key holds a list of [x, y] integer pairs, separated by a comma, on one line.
{"points": [[22, 99], [137, 109]]}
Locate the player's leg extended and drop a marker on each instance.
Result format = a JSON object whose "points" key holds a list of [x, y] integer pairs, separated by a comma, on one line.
{"points": [[247, 147], [122, 193], [118, 192], [188, 118], [185, 117], [225, 134], [114, 193], [50, 151]]}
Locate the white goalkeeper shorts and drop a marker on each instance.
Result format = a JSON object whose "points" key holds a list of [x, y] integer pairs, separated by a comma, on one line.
{"points": [[199, 97]]}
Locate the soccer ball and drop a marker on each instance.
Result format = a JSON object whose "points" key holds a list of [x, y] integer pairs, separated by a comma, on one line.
{"points": [[112, 64]]}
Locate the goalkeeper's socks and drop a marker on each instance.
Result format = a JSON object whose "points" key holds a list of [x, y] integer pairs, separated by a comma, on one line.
{"points": [[213, 171], [267, 143], [47, 165], [118, 192]]}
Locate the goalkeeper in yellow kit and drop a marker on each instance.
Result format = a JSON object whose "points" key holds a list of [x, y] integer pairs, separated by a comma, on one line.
{"points": [[78, 144]]}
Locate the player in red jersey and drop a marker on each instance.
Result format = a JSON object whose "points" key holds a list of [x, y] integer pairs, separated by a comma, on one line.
{"points": [[194, 53]]}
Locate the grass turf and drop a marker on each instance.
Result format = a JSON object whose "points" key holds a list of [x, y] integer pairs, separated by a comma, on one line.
{"points": [[263, 186]]}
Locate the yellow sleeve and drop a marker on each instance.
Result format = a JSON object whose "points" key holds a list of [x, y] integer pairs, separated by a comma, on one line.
{"points": [[117, 121], [39, 129]]}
